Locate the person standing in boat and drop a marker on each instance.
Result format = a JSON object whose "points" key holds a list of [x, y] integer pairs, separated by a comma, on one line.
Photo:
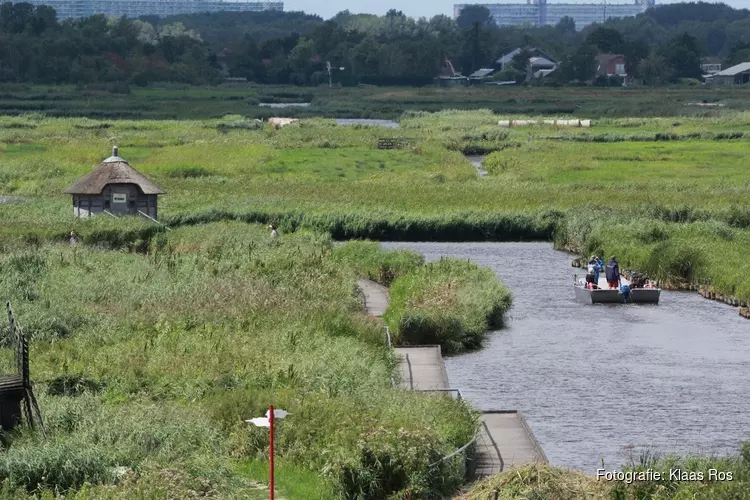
{"points": [[594, 268], [613, 273]]}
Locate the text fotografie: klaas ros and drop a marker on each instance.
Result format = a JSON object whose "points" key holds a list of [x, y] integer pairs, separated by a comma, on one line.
{"points": [[655, 475]]}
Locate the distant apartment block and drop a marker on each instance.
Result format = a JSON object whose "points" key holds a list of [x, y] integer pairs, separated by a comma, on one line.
{"points": [[539, 12], [67, 9]]}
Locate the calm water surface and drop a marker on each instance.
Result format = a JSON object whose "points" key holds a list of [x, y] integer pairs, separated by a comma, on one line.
{"points": [[594, 381], [477, 161], [367, 121], [284, 104]]}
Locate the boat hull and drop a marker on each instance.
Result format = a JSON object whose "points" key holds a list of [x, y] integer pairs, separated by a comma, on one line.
{"points": [[613, 296]]}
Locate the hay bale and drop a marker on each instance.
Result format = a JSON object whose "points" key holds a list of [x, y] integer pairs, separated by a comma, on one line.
{"points": [[504, 123], [277, 123], [568, 123], [586, 123]]}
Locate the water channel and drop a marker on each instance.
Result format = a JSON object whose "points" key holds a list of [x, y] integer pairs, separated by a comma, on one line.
{"points": [[477, 161], [604, 382], [284, 104], [367, 122]]}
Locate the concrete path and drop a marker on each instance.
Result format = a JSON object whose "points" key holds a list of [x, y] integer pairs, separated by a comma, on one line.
{"points": [[422, 368], [376, 297], [506, 441]]}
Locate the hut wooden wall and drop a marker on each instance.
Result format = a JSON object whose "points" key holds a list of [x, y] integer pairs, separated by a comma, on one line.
{"points": [[88, 205]]}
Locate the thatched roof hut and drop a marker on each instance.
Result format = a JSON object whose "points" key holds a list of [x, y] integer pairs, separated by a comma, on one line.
{"points": [[117, 188]]}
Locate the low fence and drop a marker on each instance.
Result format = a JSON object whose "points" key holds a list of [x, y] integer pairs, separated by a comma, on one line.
{"points": [[558, 123]]}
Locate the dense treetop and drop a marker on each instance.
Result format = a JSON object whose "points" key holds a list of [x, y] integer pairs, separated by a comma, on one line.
{"points": [[661, 45]]}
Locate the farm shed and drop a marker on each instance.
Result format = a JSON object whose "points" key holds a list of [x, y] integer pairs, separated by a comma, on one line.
{"points": [[736, 75], [117, 188]]}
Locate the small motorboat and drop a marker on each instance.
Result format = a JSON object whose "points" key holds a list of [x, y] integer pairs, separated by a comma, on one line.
{"points": [[622, 295]]}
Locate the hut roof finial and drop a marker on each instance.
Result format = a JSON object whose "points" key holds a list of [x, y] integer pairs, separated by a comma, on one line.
{"points": [[114, 150]]}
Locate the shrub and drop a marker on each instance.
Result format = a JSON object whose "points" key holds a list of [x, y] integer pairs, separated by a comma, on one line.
{"points": [[676, 261], [238, 122], [497, 163], [188, 172], [374, 263], [72, 385], [61, 464]]}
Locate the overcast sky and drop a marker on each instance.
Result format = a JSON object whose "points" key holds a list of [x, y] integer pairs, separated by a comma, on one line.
{"points": [[415, 8]]}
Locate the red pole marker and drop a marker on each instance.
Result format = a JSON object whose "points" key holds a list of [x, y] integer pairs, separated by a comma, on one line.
{"points": [[270, 455]]}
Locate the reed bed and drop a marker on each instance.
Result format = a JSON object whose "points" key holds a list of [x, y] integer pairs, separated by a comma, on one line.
{"points": [[450, 302], [147, 365], [158, 101], [331, 178], [539, 481]]}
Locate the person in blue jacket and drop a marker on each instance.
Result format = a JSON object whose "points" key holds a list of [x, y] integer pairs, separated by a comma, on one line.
{"points": [[594, 268], [613, 273]]}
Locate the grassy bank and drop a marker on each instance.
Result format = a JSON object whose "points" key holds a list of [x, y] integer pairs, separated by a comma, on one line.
{"points": [[450, 302], [371, 262], [544, 481], [146, 366]]}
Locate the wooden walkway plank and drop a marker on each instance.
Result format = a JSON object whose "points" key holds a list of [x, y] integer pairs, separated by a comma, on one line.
{"points": [[422, 368], [510, 443]]}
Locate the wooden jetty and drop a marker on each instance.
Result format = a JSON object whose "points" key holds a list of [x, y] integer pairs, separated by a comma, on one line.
{"points": [[504, 440], [422, 368]]}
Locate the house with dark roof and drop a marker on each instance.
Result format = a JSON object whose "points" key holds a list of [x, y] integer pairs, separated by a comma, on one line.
{"points": [[116, 188]]}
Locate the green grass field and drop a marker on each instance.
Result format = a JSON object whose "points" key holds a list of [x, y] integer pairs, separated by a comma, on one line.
{"points": [[332, 178]]}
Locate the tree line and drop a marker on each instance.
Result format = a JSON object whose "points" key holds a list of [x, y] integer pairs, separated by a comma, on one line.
{"points": [[36, 48], [662, 45]]}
